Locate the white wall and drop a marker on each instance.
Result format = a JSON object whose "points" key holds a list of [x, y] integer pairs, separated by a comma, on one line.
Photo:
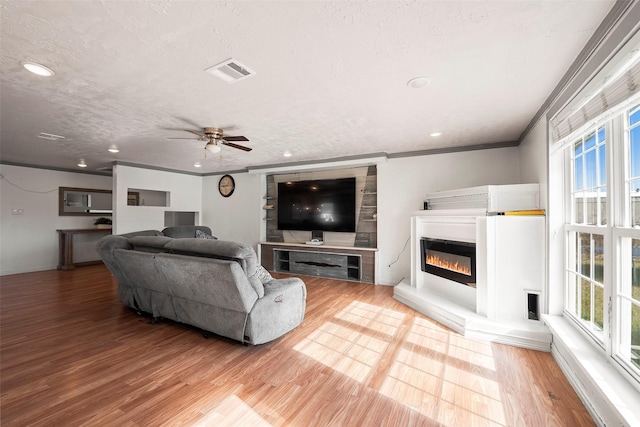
{"points": [[239, 216], [29, 242], [533, 159], [403, 183], [536, 168], [186, 195]]}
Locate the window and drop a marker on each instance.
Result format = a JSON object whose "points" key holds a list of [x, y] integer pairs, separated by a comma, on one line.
{"points": [[628, 292], [602, 230], [585, 267], [589, 183]]}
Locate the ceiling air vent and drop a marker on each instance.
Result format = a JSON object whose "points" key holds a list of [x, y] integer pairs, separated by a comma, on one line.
{"points": [[49, 136], [230, 71]]}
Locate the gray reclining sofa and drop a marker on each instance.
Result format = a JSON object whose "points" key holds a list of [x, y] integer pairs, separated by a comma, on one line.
{"points": [[212, 284]]}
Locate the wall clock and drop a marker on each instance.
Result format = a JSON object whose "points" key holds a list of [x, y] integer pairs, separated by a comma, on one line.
{"points": [[226, 185]]}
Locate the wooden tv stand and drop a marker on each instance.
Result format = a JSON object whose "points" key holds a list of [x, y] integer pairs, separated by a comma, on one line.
{"points": [[336, 262]]}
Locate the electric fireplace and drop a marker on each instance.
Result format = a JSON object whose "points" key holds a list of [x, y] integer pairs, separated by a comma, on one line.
{"points": [[449, 259]]}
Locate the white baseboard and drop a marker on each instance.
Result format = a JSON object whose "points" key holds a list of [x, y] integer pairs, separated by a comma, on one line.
{"points": [[526, 334]]}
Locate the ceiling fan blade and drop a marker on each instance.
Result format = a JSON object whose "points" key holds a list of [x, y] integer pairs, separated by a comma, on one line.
{"points": [[189, 122], [200, 134], [239, 147], [235, 138]]}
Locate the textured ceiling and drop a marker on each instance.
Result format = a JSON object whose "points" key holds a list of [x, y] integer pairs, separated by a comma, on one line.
{"points": [[330, 77]]}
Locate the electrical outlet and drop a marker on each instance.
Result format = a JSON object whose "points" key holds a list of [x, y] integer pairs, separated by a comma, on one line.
{"points": [[17, 211]]}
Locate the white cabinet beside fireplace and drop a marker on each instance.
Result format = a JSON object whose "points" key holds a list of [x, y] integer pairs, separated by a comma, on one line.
{"points": [[510, 265]]}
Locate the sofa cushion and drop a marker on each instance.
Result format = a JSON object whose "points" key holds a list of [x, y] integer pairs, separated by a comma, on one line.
{"points": [[185, 231], [142, 233], [222, 249], [202, 235], [149, 243]]}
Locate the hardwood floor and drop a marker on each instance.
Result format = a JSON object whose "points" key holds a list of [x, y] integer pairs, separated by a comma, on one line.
{"points": [[72, 354]]}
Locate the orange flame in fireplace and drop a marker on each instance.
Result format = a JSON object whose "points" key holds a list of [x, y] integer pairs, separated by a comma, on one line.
{"points": [[435, 260]]}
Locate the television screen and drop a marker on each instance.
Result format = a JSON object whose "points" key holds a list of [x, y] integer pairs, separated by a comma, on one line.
{"points": [[323, 205]]}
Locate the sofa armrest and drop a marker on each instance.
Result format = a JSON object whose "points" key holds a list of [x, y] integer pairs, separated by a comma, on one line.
{"points": [[275, 285], [279, 311]]}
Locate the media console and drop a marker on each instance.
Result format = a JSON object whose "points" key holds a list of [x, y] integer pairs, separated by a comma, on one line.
{"points": [[336, 262]]}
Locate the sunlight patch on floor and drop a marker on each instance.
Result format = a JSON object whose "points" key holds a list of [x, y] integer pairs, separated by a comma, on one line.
{"points": [[473, 351], [371, 316], [427, 334], [351, 349], [429, 376], [474, 395], [232, 412]]}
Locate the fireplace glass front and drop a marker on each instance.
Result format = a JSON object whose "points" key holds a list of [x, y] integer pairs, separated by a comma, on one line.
{"points": [[449, 259]]}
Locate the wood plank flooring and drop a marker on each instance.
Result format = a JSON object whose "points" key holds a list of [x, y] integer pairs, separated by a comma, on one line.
{"points": [[72, 355]]}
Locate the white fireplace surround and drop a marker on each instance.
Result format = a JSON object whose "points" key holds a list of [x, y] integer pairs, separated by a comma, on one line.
{"points": [[509, 264]]}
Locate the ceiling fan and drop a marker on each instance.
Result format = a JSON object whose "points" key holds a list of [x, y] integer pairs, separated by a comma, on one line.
{"points": [[214, 139]]}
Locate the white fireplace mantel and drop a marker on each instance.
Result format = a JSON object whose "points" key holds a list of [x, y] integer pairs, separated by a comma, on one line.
{"points": [[509, 265]]}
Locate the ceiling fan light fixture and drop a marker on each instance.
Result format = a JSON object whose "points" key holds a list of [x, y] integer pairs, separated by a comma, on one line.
{"points": [[213, 147], [419, 82], [38, 69]]}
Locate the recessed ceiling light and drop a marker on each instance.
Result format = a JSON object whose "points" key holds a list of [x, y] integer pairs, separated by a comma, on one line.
{"points": [[113, 149], [419, 82], [82, 164], [197, 165], [435, 134], [38, 69], [287, 154]]}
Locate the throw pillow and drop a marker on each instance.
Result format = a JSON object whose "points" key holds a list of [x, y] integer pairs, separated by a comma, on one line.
{"points": [[202, 235], [263, 274]]}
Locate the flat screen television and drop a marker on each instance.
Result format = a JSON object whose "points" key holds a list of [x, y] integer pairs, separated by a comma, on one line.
{"points": [[318, 205]]}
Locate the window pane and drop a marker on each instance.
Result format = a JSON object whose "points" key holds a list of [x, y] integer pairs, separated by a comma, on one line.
{"points": [[598, 258], [592, 209], [578, 174], [635, 335], [634, 152], [590, 141], [584, 249], [572, 293], [577, 146], [601, 135], [635, 269], [576, 308], [602, 165], [578, 208], [635, 115], [635, 203], [585, 295], [629, 343], [598, 307], [591, 168], [603, 206]]}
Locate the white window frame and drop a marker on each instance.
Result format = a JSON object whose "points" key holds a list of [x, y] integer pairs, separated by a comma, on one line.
{"points": [[615, 338]]}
